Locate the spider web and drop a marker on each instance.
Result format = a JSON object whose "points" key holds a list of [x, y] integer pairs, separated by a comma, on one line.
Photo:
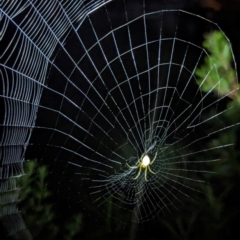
{"points": [[89, 87]]}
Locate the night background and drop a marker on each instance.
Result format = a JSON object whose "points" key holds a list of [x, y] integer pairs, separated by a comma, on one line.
{"points": [[58, 197]]}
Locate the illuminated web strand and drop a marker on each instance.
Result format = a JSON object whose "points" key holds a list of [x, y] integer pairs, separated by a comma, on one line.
{"points": [[20, 115], [116, 129]]}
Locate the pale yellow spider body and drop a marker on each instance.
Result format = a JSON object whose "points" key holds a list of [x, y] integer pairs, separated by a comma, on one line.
{"points": [[144, 163]]}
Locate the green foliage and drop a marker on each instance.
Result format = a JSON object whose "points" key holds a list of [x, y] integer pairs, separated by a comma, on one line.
{"points": [[73, 227], [217, 209], [33, 196], [218, 68], [36, 208]]}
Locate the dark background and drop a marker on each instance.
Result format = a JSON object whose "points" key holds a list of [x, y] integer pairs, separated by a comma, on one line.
{"points": [[61, 178]]}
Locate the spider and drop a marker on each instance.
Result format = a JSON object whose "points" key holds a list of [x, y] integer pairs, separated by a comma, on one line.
{"points": [[144, 163]]}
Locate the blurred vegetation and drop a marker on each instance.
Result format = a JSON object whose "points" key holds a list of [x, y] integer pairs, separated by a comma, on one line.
{"points": [[42, 219], [39, 213], [219, 67], [215, 214]]}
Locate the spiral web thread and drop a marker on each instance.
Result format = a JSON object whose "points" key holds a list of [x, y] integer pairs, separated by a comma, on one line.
{"points": [[91, 91], [30, 33]]}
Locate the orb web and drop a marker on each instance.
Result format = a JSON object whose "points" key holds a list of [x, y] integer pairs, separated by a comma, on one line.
{"points": [[100, 87]]}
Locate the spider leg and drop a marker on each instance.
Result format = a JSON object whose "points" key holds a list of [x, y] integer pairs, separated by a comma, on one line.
{"points": [[145, 175], [134, 167], [153, 159], [151, 170], [139, 172]]}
